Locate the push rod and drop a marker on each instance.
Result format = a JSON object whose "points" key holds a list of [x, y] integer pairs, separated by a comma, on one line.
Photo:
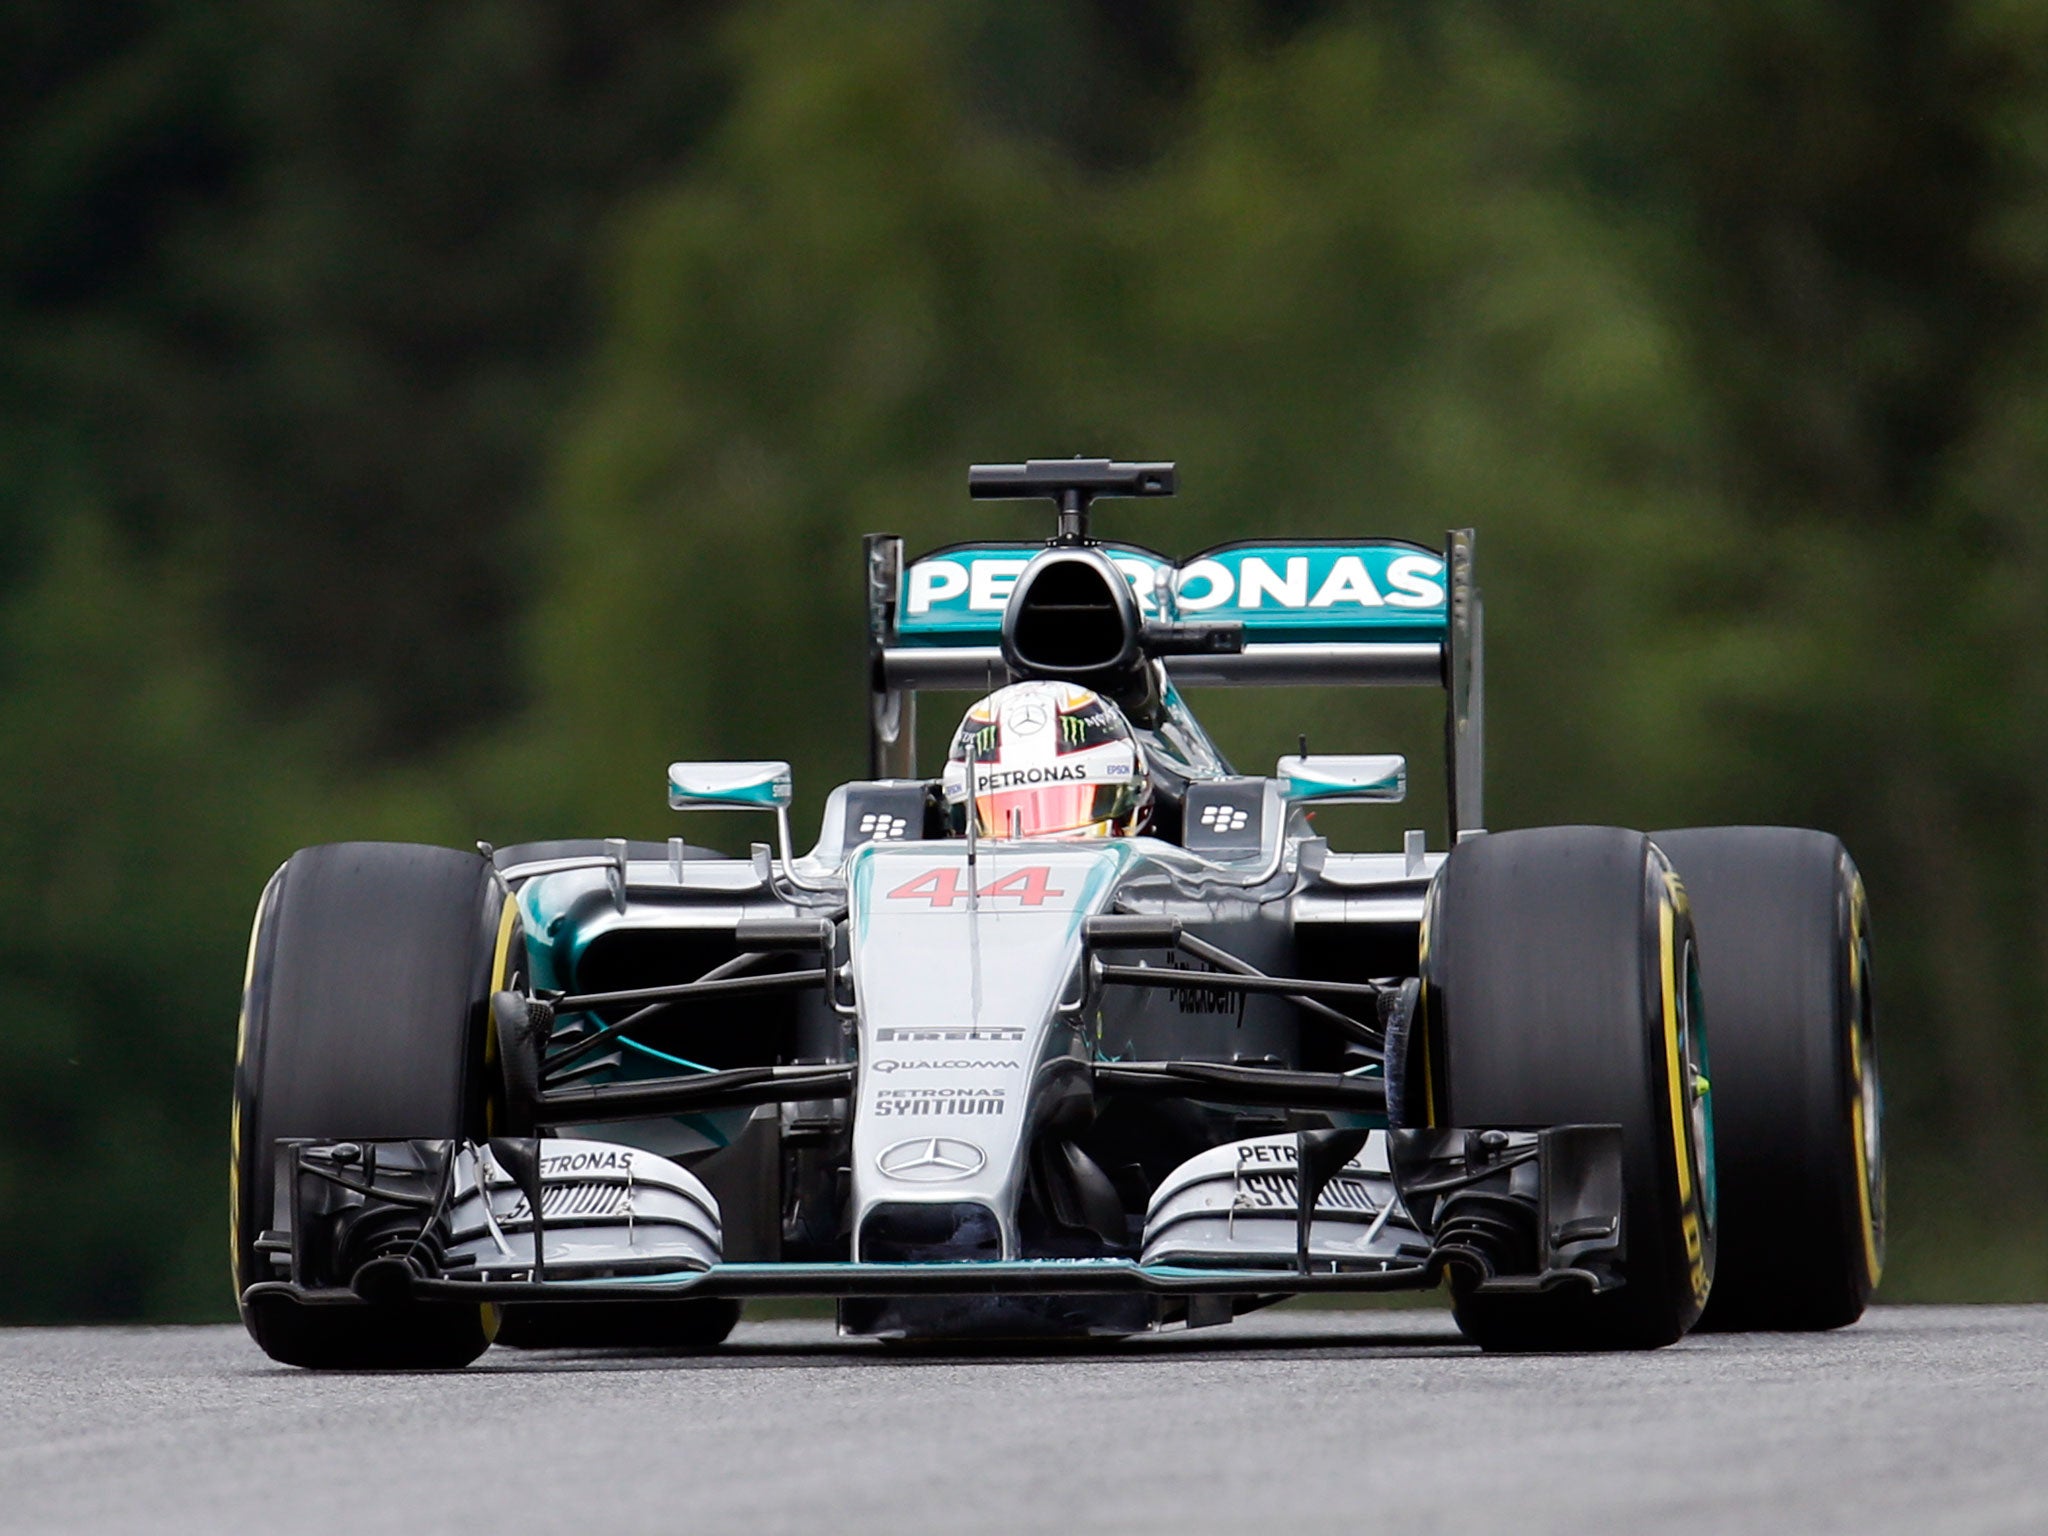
{"points": [[733, 1088], [1227, 981], [1228, 1082], [1138, 930], [779, 981], [584, 1045]]}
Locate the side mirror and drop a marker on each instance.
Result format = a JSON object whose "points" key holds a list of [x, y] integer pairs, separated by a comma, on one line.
{"points": [[728, 786], [1331, 780], [741, 787]]}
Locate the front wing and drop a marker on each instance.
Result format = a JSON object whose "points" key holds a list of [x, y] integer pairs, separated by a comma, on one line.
{"points": [[1330, 1211]]}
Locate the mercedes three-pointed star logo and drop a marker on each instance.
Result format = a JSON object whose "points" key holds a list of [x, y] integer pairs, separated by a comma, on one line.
{"points": [[1028, 717], [931, 1160]]}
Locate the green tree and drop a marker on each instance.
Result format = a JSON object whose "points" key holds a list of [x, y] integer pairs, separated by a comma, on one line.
{"points": [[426, 422]]}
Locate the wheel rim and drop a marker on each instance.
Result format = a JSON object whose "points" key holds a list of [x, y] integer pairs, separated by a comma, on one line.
{"points": [[1696, 1076]]}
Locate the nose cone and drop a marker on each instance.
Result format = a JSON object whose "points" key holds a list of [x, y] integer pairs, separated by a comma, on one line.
{"points": [[959, 969]]}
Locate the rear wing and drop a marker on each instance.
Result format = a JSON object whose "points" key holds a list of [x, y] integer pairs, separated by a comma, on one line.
{"points": [[1370, 612]]}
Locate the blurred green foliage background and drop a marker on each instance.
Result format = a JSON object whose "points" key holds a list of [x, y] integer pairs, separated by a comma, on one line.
{"points": [[425, 421]]}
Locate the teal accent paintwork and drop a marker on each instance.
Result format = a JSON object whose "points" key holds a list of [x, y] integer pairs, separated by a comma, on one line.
{"points": [[762, 795], [1710, 1183], [1283, 593], [535, 927], [648, 1050], [1348, 1121], [1301, 785], [770, 790], [709, 1128], [992, 1268], [555, 944], [860, 888], [1100, 880]]}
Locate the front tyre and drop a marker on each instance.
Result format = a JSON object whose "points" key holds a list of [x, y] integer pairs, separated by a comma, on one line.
{"points": [[1785, 931], [1560, 987], [363, 1015]]}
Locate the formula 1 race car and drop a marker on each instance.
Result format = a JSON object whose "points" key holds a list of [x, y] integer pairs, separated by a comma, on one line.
{"points": [[977, 1077]]}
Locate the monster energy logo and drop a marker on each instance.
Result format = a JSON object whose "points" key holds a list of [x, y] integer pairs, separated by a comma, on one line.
{"points": [[984, 741], [1073, 730]]}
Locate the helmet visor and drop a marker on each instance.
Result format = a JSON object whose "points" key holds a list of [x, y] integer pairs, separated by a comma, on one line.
{"points": [[1055, 810]]}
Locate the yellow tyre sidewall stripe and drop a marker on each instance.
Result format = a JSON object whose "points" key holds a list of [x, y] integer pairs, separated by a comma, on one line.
{"points": [[235, 1110], [1678, 1093], [1873, 1259], [508, 924]]}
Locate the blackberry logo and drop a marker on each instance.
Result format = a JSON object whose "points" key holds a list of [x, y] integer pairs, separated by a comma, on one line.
{"points": [[1224, 818], [881, 826]]}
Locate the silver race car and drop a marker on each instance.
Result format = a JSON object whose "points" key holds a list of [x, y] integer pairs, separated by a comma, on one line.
{"points": [[1086, 1035]]}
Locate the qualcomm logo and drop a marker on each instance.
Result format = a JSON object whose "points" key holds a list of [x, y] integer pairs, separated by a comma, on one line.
{"points": [[881, 826], [1225, 818], [931, 1160]]}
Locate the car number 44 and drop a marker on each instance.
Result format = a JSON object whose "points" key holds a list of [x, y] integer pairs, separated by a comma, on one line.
{"points": [[942, 887]]}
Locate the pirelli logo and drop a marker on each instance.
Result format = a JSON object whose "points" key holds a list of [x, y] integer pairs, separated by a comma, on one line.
{"points": [[951, 1034]]}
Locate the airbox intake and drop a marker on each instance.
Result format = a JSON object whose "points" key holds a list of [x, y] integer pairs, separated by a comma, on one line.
{"points": [[1073, 616]]}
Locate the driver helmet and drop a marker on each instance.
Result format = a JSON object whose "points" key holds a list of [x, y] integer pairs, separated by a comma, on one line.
{"points": [[1048, 759]]}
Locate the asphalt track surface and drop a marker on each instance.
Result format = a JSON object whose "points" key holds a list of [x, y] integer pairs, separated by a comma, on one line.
{"points": [[1924, 1419]]}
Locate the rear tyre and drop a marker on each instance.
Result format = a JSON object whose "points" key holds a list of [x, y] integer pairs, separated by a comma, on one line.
{"points": [[1784, 929], [363, 1017], [1560, 987]]}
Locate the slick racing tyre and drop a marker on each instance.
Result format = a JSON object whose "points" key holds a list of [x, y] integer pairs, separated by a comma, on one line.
{"points": [[1784, 936], [363, 1017], [1560, 988]]}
